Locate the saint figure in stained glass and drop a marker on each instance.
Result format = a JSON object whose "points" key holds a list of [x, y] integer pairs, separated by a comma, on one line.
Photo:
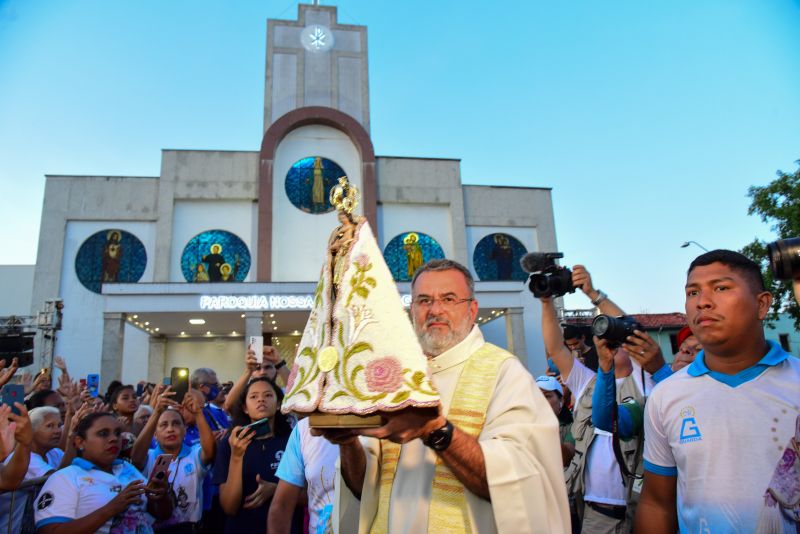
{"points": [[112, 253], [201, 275], [496, 257], [110, 256], [214, 261], [215, 256], [413, 254], [318, 187], [502, 256], [309, 182]]}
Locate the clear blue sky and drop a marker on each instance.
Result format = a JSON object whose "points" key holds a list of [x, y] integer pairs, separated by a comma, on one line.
{"points": [[648, 119]]}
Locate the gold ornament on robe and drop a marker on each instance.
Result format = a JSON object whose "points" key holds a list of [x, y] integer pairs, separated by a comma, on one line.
{"points": [[358, 355]]}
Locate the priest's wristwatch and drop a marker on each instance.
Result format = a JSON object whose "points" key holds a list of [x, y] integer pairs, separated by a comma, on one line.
{"points": [[440, 438]]}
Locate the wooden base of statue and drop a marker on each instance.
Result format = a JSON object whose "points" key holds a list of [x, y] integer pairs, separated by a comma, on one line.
{"points": [[332, 420]]}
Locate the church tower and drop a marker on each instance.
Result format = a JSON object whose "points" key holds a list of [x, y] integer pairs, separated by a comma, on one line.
{"points": [[315, 61]]}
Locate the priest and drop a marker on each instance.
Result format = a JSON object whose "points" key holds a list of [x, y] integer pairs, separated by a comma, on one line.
{"points": [[486, 460]]}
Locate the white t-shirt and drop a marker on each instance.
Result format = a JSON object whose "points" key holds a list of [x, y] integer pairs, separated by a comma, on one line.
{"points": [[185, 477], [81, 488], [724, 436], [311, 461], [602, 478], [37, 467]]}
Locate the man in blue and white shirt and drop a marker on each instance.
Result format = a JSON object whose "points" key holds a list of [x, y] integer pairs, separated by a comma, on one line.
{"points": [[717, 430]]}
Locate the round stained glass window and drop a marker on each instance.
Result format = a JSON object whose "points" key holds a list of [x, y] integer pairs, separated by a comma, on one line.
{"points": [[408, 251], [309, 182], [497, 256], [215, 256], [110, 257]]}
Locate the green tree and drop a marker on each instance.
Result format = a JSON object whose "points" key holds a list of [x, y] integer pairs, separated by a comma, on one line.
{"points": [[778, 204]]}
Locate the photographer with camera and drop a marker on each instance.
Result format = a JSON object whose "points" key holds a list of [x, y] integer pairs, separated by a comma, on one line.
{"points": [[603, 490]]}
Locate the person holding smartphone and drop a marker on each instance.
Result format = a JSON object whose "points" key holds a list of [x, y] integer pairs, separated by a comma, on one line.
{"points": [[99, 492], [188, 465], [45, 458], [246, 462]]}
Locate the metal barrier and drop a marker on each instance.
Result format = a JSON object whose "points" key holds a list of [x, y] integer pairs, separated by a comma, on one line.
{"points": [[28, 490]]}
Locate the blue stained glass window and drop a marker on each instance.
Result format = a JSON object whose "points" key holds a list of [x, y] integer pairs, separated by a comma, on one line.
{"points": [[215, 256], [497, 256], [108, 257], [309, 182], [406, 252]]}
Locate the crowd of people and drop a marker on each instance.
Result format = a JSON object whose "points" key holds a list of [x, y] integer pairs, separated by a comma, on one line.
{"points": [[611, 439]]}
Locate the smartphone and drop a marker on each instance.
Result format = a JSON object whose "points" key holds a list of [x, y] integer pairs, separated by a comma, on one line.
{"points": [[139, 390], [261, 428], [45, 372], [256, 344], [166, 381], [82, 382], [161, 467], [179, 380], [93, 384], [12, 393]]}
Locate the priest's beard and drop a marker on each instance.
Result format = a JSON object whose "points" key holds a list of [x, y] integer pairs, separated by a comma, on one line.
{"points": [[435, 342]]}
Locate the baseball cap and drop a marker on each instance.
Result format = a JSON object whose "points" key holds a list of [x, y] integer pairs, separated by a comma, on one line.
{"points": [[683, 333], [549, 383]]}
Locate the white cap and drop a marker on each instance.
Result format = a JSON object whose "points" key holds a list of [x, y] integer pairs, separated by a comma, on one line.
{"points": [[549, 383]]}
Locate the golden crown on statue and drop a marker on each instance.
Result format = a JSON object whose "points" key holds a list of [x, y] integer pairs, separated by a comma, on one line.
{"points": [[344, 196]]}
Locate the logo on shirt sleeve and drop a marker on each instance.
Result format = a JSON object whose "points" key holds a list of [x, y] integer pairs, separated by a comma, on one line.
{"points": [[689, 429], [45, 500]]}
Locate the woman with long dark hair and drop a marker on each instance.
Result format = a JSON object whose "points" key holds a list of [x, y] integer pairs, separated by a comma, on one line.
{"points": [[246, 462], [99, 492]]}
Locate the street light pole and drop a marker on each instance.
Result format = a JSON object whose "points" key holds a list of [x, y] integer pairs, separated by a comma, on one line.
{"points": [[687, 243]]}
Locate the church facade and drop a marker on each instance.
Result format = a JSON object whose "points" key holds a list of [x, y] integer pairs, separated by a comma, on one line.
{"points": [[178, 269]]}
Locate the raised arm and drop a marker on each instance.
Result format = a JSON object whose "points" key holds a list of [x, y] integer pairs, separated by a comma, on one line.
{"points": [[145, 437], [13, 472], [554, 338], [194, 403], [250, 365], [582, 279], [272, 355], [604, 398]]}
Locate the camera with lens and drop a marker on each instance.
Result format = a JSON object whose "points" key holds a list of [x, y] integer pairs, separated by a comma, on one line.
{"points": [[547, 279], [614, 330], [784, 258]]}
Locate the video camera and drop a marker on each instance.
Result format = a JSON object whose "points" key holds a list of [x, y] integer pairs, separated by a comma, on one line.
{"points": [[547, 279], [784, 258], [614, 330]]}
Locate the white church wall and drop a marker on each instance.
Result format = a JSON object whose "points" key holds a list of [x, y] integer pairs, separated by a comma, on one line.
{"points": [[82, 326], [299, 239]]}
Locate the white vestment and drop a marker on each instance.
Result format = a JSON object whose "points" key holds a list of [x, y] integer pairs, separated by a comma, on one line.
{"points": [[521, 449]]}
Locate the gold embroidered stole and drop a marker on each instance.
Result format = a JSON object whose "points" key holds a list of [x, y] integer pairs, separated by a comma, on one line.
{"points": [[448, 510]]}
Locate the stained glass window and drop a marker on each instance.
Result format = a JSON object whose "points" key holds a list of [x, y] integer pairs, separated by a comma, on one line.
{"points": [[406, 252], [108, 257], [497, 256], [215, 256], [309, 182]]}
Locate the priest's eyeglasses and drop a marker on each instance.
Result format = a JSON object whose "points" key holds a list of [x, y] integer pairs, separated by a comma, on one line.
{"points": [[447, 301]]}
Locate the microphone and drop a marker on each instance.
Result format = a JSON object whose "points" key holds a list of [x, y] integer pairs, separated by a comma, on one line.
{"points": [[534, 262]]}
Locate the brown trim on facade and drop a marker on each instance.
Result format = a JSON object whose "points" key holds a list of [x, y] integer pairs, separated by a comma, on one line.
{"points": [[272, 137]]}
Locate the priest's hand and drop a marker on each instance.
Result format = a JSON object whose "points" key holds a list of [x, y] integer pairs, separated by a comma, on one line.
{"points": [[337, 436], [407, 424]]}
